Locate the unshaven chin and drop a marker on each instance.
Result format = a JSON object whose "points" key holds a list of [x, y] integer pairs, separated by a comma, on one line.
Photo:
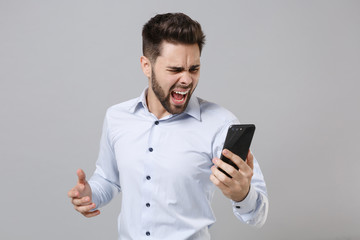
{"points": [[176, 100]]}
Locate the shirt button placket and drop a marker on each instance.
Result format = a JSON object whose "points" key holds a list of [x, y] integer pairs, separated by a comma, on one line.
{"points": [[153, 137], [147, 176]]}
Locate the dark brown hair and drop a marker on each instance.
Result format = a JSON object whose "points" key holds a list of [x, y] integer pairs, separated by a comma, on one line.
{"points": [[173, 28]]}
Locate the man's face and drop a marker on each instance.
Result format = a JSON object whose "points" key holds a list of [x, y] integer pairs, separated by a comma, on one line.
{"points": [[174, 76]]}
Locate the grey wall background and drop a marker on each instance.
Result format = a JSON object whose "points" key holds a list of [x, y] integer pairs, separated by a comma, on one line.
{"points": [[290, 67]]}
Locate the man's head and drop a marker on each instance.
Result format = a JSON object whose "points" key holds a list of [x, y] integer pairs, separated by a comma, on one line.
{"points": [[172, 46], [176, 28]]}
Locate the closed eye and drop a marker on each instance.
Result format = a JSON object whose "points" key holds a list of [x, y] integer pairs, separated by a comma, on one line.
{"points": [[175, 69], [194, 70]]}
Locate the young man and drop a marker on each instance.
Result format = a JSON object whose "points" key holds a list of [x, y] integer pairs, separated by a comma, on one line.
{"points": [[161, 150]]}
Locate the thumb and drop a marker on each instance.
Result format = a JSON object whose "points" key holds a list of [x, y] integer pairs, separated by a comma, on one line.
{"points": [[250, 160], [81, 176]]}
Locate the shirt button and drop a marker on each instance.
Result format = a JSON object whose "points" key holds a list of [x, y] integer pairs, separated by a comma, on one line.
{"points": [[151, 149], [147, 233], [148, 177], [148, 204], [156, 122]]}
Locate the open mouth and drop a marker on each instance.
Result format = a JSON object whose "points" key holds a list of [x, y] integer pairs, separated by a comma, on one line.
{"points": [[179, 97]]}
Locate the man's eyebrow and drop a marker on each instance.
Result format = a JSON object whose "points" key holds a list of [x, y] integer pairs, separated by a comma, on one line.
{"points": [[182, 68], [195, 66]]}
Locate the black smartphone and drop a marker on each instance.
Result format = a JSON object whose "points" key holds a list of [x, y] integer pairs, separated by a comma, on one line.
{"points": [[238, 141]]}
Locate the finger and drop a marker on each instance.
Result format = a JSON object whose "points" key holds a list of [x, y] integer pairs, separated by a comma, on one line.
{"points": [[81, 201], [221, 176], [235, 158], [250, 160], [81, 176], [217, 182], [73, 193], [225, 167], [91, 214], [86, 208]]}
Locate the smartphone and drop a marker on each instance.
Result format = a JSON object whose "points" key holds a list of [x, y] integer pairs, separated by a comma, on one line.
{"points": [[238, 141]]}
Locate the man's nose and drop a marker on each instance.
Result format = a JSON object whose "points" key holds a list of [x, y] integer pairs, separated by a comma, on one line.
{"points": [[186, 79]]}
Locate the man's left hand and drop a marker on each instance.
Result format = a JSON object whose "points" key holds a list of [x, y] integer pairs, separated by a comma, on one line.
{"points": [[237, 187]]}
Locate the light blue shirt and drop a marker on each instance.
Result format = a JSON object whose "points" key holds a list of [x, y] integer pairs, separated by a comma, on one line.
{"points": [[162, 167]]}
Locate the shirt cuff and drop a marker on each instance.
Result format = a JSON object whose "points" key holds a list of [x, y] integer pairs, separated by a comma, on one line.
{"points": [[94, 197], [102, 190], [248, 204]]}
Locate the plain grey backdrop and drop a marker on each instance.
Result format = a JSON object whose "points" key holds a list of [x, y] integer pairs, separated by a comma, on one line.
{"points": [[290, 67]]}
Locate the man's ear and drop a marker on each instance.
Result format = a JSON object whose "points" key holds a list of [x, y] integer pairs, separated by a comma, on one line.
{"points": [[146, 66]]}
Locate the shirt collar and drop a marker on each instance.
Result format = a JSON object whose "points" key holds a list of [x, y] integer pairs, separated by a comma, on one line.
{"points": [[193, 108], [140, 101]]}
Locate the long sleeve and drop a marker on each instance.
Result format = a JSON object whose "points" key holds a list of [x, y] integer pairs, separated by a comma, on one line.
{"points": [[254, 208], [105, 181]]}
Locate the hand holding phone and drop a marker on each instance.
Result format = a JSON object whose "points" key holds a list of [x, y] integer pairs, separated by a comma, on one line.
{"points": [[238, 141]]}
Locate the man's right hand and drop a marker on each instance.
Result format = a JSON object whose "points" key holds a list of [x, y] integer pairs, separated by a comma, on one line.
{"points": [[81, 196]]}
